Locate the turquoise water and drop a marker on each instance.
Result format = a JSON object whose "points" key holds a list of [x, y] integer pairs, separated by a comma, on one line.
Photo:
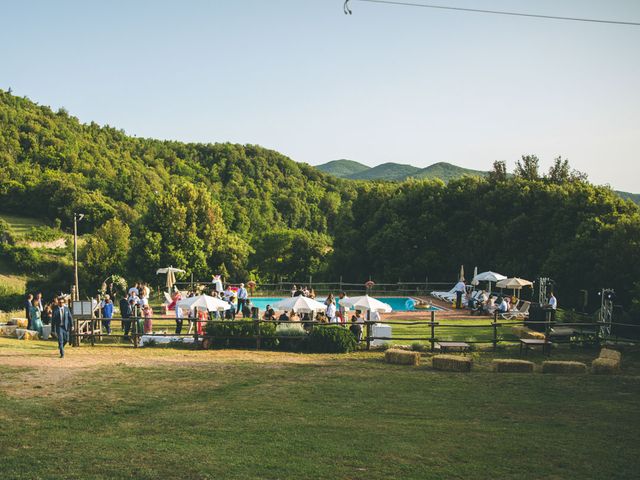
{"points": [[398, 304]]}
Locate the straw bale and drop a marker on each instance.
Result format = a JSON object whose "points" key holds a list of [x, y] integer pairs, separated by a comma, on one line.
{"points": [[452, 363], [551, 366], [605, 366], [611, 354], [524, 332], [512, 365], [402, 357]]}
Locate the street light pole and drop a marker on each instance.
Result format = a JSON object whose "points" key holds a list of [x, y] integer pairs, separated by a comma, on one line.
{"points": [[76, 218]]}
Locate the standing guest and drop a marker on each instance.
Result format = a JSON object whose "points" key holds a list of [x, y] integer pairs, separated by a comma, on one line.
{"points": [[191, 317], [342, 310], [246, 309], [331, 310], [107, 313], [27, 310], [460, 288], [125, 311], [294, 289], [553, 301], [36, 317], [47, 312], [135, 290], [243, 296], [40, 302], [283, 317], [62, 324], [356, 325], [143, 300], [178, 320], [147, 313], [217, 283], [133, 313], [269, 314], [297, 292]]}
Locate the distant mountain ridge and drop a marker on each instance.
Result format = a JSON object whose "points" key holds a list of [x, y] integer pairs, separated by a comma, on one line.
{"points": [[390, 171], [353, 170]]}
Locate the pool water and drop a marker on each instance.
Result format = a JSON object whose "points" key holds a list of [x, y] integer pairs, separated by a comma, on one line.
{"points": [[398, 304]]}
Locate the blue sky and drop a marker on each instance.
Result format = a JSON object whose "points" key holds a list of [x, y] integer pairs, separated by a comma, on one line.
{"points": [[398, 84]]}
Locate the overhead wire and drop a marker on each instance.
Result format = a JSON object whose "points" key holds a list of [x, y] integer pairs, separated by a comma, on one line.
{"points": [[348, 11]]}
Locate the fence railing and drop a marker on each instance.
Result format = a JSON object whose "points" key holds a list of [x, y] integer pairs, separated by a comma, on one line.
{"points": [[584, 332]]}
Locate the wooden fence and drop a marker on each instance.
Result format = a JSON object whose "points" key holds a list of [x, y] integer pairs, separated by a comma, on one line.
{"points": [[583, 332]]}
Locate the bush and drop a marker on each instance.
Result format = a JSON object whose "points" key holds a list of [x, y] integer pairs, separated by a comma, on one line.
{"points": [[241, 334], [10, 299], [23, 259], [43, 234], [331, 339], [295, 331], [418, 347]]}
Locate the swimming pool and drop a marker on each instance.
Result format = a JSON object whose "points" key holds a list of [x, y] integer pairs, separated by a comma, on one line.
{"points": [[398, 304]]}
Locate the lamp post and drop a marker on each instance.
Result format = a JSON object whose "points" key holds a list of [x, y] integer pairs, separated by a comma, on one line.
{"points": [[77, 217]]}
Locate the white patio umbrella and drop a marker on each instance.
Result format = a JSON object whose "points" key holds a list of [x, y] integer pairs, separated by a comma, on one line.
{"points": [[300, 304], [211, 304], [366, 303], [171, 275], [515, 283], [475, 281], [461, 278], [488, 276]]}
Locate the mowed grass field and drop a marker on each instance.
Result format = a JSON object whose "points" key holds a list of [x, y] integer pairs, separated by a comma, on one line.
{"points": [[21, 225], [117, 412]]}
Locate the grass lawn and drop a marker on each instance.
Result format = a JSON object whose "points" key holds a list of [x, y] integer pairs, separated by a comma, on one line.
{"points": [[117, 412]]}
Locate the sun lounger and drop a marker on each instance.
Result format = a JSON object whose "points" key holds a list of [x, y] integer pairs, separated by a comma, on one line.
{"points": [[522, 312]]}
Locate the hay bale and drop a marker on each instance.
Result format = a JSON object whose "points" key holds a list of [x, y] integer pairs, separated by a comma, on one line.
{"points": [[402, 357], [452, 363], [605, 366], [19, 322], [512, 365], [611, 354], [524, 332], [551, 366]]}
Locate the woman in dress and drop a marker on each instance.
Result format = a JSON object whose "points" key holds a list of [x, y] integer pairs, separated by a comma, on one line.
{"points": [[147, 313], [36, 317]]}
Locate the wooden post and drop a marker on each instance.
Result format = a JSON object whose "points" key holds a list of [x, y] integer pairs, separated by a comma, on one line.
{"points": [[495, 331], [369, 334], [134, 330], [433, 330], [258, 339]]}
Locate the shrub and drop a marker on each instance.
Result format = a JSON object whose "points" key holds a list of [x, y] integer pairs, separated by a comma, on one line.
{"points": [[10, 299], [418, 347], [452, 363], [509, 365], [241, 333], [605, 366], [402, 357], [296, 331], [563, 367], [43, 234], [331, 339]]}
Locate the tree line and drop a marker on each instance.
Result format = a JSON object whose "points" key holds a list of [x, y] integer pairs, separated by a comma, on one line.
{"points": [[252, 213]]}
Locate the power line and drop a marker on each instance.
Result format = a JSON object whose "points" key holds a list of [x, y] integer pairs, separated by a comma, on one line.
{"points": [[493, 12]]}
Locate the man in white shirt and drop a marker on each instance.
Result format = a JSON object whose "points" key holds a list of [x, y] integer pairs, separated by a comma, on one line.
{"points": [[178, 320], [242, 298], [460, 288], [553, 301]]}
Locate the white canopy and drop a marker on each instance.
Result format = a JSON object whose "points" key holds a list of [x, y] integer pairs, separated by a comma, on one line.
{"points": [[366, 303], [515, 283], [169, 269], [300, 304], [475, 281], [212, 304], [488, 277]]}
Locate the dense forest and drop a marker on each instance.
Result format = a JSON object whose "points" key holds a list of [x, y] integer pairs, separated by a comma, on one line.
{"points": [[249, 212]]}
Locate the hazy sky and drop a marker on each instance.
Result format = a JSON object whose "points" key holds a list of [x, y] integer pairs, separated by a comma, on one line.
{"points": [[399, 84]]}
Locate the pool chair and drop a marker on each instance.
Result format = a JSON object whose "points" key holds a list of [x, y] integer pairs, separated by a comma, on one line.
{"points": [[522, 312]]}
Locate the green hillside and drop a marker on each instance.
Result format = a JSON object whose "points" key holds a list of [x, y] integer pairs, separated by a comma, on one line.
{"points": [[634, 197], [386, 171], [446, 172], [342, 168]]}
